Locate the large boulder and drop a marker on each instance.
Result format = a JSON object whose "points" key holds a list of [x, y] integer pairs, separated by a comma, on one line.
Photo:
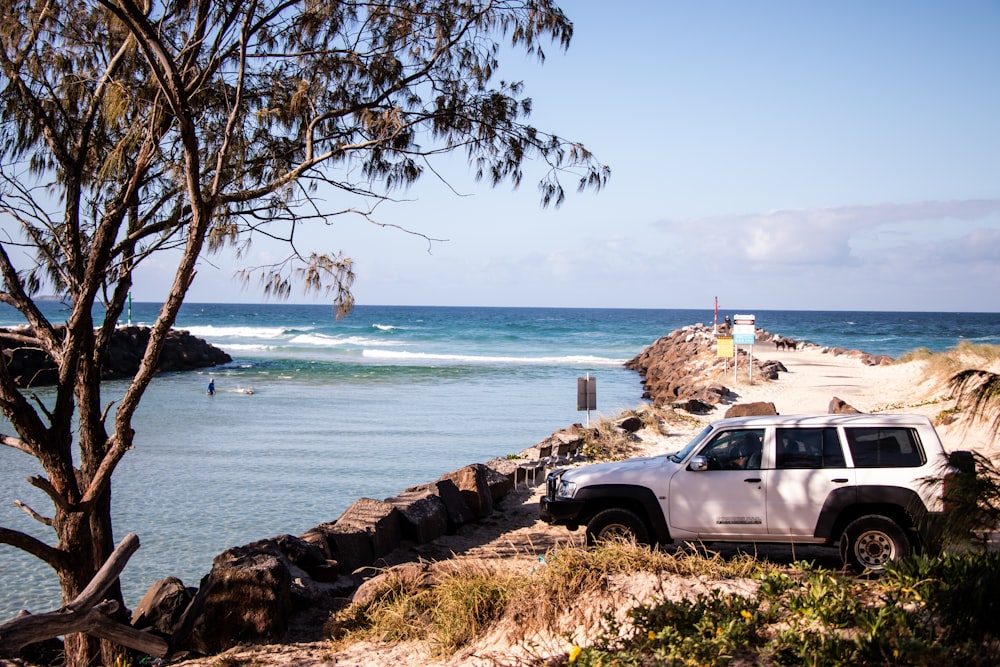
{"points": [[424, 516], [380, 520], [474, 485], [245, 599], [161, 608], [458, 511], [840, 407], [757, 409]]}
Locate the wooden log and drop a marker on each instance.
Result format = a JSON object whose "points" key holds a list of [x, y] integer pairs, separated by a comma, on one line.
{"points": [[84, 614]]}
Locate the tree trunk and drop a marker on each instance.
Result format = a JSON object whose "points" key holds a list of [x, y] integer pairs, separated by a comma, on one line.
{"points": [[87, 535]]}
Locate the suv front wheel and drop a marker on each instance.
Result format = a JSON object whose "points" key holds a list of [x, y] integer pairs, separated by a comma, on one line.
{"points": [[616, 523], [871, 542]]}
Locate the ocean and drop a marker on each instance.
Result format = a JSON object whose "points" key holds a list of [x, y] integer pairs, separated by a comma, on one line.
{"points": [[389, 397]]}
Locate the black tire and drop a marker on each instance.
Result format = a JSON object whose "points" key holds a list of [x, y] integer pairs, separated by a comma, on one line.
{"points": [[616, 524], [871, 542]]}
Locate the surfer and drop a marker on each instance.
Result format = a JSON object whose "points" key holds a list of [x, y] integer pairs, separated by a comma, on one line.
{"points": [[211, 387]]}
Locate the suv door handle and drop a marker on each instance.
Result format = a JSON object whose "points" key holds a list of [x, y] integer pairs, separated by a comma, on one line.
{"points": [[839, 480], [756, 480]]}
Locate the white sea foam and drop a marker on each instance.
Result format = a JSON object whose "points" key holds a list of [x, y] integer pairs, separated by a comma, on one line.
{"points": [[487, 359], [384, 327], [324, 340], [252, 347], [210, 331]]}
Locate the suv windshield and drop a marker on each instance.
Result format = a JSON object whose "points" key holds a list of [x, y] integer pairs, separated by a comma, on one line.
{"points": [[677, 457]]}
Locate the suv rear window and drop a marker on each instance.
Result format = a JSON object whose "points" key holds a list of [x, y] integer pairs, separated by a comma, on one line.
{"points": [[884, 447], [808, 448]]}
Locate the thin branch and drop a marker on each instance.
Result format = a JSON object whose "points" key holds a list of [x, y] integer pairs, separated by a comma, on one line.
{"points": [[46, 487], [15, 443], [33, 514]]}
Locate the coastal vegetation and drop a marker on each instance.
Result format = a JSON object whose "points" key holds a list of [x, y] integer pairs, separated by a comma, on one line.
{"points": [[922, 611], [134, 131]]}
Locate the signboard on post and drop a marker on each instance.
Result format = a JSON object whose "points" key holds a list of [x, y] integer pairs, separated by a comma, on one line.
{"points": [[725, 346], [586, 395], [744, 329]]}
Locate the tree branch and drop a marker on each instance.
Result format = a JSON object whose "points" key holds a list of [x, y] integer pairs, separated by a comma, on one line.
{"points": [[33, 514], [49, 555], [84, 614]]}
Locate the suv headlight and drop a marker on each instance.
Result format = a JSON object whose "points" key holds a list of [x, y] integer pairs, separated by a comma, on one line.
{"points": [[565, 489]]}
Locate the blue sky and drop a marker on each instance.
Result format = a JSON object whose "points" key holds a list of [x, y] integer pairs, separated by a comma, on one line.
{"points": [[778, 155]]}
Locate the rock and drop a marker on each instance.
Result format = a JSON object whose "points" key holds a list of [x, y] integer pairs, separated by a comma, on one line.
{"points": [[770, 369], [425, 517], [630, 424], [564, 442], [407, 574], [292, 550], [839, 407], [458, 511], [161, 608], [350, 546], [245, 599], [380, 520], [759, 408], [474, 486], [498, 483], [695, 406]]}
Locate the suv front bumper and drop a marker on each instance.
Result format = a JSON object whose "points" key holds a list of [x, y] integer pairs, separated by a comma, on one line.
{"points": [[560, 512]]}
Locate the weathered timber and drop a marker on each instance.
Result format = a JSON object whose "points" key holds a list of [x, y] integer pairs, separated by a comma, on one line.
{"points": [[84, 614]]}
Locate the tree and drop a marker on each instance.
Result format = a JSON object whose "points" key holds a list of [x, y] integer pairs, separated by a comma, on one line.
{"points": [[979, 391], [129, 129]]}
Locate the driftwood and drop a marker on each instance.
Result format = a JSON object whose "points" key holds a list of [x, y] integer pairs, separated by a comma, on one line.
{"points": [[84, 614]]}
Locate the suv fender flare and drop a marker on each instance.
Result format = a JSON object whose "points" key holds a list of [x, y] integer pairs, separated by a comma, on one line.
{"points": [[844, 505], [639, 499]]}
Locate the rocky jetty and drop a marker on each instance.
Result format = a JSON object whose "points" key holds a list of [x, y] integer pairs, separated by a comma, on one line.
{"points": [[683, 369], [30, 366]]}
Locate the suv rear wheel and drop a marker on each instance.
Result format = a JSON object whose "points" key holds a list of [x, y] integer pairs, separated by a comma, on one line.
{"points": [[616, 523], [871, 542]]}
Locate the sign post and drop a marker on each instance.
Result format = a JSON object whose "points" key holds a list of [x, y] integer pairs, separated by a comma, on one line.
{"points": [[744, 333], [724, 349], [586, 395]]}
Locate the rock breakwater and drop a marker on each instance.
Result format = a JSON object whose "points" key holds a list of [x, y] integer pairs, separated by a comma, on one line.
{"points": [[683, 369], [30, 366]]}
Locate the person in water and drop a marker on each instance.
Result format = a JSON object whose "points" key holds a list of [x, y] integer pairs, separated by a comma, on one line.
{"points": [[211, 387]]}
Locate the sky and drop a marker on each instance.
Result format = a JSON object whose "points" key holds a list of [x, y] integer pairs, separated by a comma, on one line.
{"points": [[776, 155]]}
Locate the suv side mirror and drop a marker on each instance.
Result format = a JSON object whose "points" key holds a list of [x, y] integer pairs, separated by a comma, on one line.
{"points": [[698, 463]]}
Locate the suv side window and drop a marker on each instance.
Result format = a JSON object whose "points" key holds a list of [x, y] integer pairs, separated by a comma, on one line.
{"points": [[884, 447], [808, 448], [735, 450]]}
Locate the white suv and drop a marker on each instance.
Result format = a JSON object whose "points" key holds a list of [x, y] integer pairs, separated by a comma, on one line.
{"points": [[860, 480]]}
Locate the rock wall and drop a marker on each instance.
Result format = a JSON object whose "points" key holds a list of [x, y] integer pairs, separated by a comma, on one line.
{"points": [[683, 369], [260, 592]]}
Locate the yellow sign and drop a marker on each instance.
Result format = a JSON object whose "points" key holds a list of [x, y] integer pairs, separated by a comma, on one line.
{"points": [[725, 348]]}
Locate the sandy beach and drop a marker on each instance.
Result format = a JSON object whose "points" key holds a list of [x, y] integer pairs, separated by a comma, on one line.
{"points": [[516, 536], [816, 376]]}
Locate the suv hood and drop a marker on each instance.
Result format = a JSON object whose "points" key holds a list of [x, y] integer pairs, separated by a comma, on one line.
{"points": [[617, 471]]}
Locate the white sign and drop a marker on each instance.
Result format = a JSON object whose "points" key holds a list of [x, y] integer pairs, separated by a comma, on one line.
{"points": [[744, 326]]}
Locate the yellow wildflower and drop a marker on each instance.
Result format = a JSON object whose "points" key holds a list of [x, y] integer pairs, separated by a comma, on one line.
{"points": [[574, 653]]}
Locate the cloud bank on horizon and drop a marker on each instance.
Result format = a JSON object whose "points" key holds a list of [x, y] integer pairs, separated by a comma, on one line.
{"points": [[777, 155]]}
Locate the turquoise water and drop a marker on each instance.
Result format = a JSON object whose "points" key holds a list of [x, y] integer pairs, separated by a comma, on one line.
{"points": [[364, 407]]}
